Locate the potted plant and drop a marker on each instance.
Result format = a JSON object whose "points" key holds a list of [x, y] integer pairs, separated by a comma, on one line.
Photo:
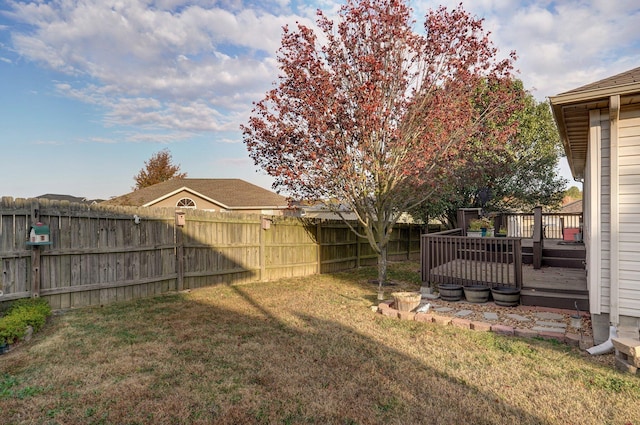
{"points": [[502, 232], [480, 227], [474, 230]]}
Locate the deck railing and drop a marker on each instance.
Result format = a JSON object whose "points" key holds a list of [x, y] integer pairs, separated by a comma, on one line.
{"points": [[449, 257], [555, 225]]}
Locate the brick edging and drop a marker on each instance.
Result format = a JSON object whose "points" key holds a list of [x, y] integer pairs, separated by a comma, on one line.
{"points": [[385, 308]]}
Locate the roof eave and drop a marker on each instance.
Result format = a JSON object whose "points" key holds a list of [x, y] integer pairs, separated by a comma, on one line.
{"points": [[564, 138], [576, 97]]}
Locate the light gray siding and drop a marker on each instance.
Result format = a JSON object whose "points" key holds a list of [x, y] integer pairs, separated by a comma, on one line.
{"points": [[605, 203], [629, 210]]}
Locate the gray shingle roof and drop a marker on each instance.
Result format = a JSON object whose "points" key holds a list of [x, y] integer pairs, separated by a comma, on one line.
{"points": [[70, 198], [627, 77], [234, 193]]}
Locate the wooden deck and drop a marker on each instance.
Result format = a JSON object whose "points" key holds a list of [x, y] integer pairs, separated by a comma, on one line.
{"points": [[549, 286], [551, 279]]}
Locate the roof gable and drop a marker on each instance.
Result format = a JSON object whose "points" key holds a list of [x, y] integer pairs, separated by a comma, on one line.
{"points": [[186, 192], [230, 193]]}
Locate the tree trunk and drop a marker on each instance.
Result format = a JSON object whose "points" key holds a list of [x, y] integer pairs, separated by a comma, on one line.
{"points": [[382, 271]]}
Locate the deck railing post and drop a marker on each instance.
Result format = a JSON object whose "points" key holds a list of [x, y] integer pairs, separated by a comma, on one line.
{"points": [[517, 262], [538, 236]]}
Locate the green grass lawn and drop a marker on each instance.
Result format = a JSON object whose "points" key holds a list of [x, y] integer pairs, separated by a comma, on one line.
{"points": [[298, 351]]}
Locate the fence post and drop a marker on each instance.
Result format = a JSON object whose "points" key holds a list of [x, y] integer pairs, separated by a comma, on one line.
{"points": [[35, 253], [425, 255], [358, 249], [179, 224], [35, 272], [409, 227], [263, 249], [319, 245]]}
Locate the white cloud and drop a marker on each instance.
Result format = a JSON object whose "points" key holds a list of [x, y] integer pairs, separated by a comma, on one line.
{"points": [[563, 45], [196, 66]]}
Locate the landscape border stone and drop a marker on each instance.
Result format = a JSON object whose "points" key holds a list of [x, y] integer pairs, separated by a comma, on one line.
{"points": [[385, 308]]}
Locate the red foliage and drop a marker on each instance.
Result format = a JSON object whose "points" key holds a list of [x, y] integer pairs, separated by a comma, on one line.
{"points": [[374, 114]]}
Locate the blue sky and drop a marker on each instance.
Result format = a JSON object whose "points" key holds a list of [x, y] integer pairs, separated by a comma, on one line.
{"points": [[90, 89]]}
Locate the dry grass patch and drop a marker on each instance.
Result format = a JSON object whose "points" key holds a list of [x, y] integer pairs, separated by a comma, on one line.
{"points": [[306, 350]]}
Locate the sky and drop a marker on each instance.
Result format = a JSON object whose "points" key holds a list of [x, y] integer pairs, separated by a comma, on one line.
{"points": [[91, 89]]}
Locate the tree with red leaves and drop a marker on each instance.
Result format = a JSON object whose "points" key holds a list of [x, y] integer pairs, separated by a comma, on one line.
{"points": [[158, 169], [372, 114]]}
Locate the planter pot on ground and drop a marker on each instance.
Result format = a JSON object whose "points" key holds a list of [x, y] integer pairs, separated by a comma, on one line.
{"points": [[406, 301], [506, 297], [474, 234], [450, 292], [477, 294]]}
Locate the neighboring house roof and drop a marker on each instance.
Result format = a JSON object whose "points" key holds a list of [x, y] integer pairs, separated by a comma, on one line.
{"points": [[571, 112], [572, 207], [72, 199], [232, 194]]}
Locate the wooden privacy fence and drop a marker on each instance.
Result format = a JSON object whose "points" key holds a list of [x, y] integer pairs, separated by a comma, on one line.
{"points": [[449, 257], [99, 255]]}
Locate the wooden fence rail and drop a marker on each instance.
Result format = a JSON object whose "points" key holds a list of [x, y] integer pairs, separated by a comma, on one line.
{"points": [[99, 255]]}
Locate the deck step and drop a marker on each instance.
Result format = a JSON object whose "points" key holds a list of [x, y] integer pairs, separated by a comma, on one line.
{"points": [[569, 263], [554, 299], [564, 253]]}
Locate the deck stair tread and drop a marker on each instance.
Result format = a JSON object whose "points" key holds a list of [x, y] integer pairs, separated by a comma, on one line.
{"points": [[554, 291], [556, 253], [558, 287], [572, 263], [559, 253]]}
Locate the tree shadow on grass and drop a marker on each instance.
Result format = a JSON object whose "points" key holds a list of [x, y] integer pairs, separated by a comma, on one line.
{"points": [[238, 354], [346, 376]]}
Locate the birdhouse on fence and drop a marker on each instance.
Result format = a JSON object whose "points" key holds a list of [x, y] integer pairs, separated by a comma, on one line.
{"points": [[180, 220], [39, 235]]}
